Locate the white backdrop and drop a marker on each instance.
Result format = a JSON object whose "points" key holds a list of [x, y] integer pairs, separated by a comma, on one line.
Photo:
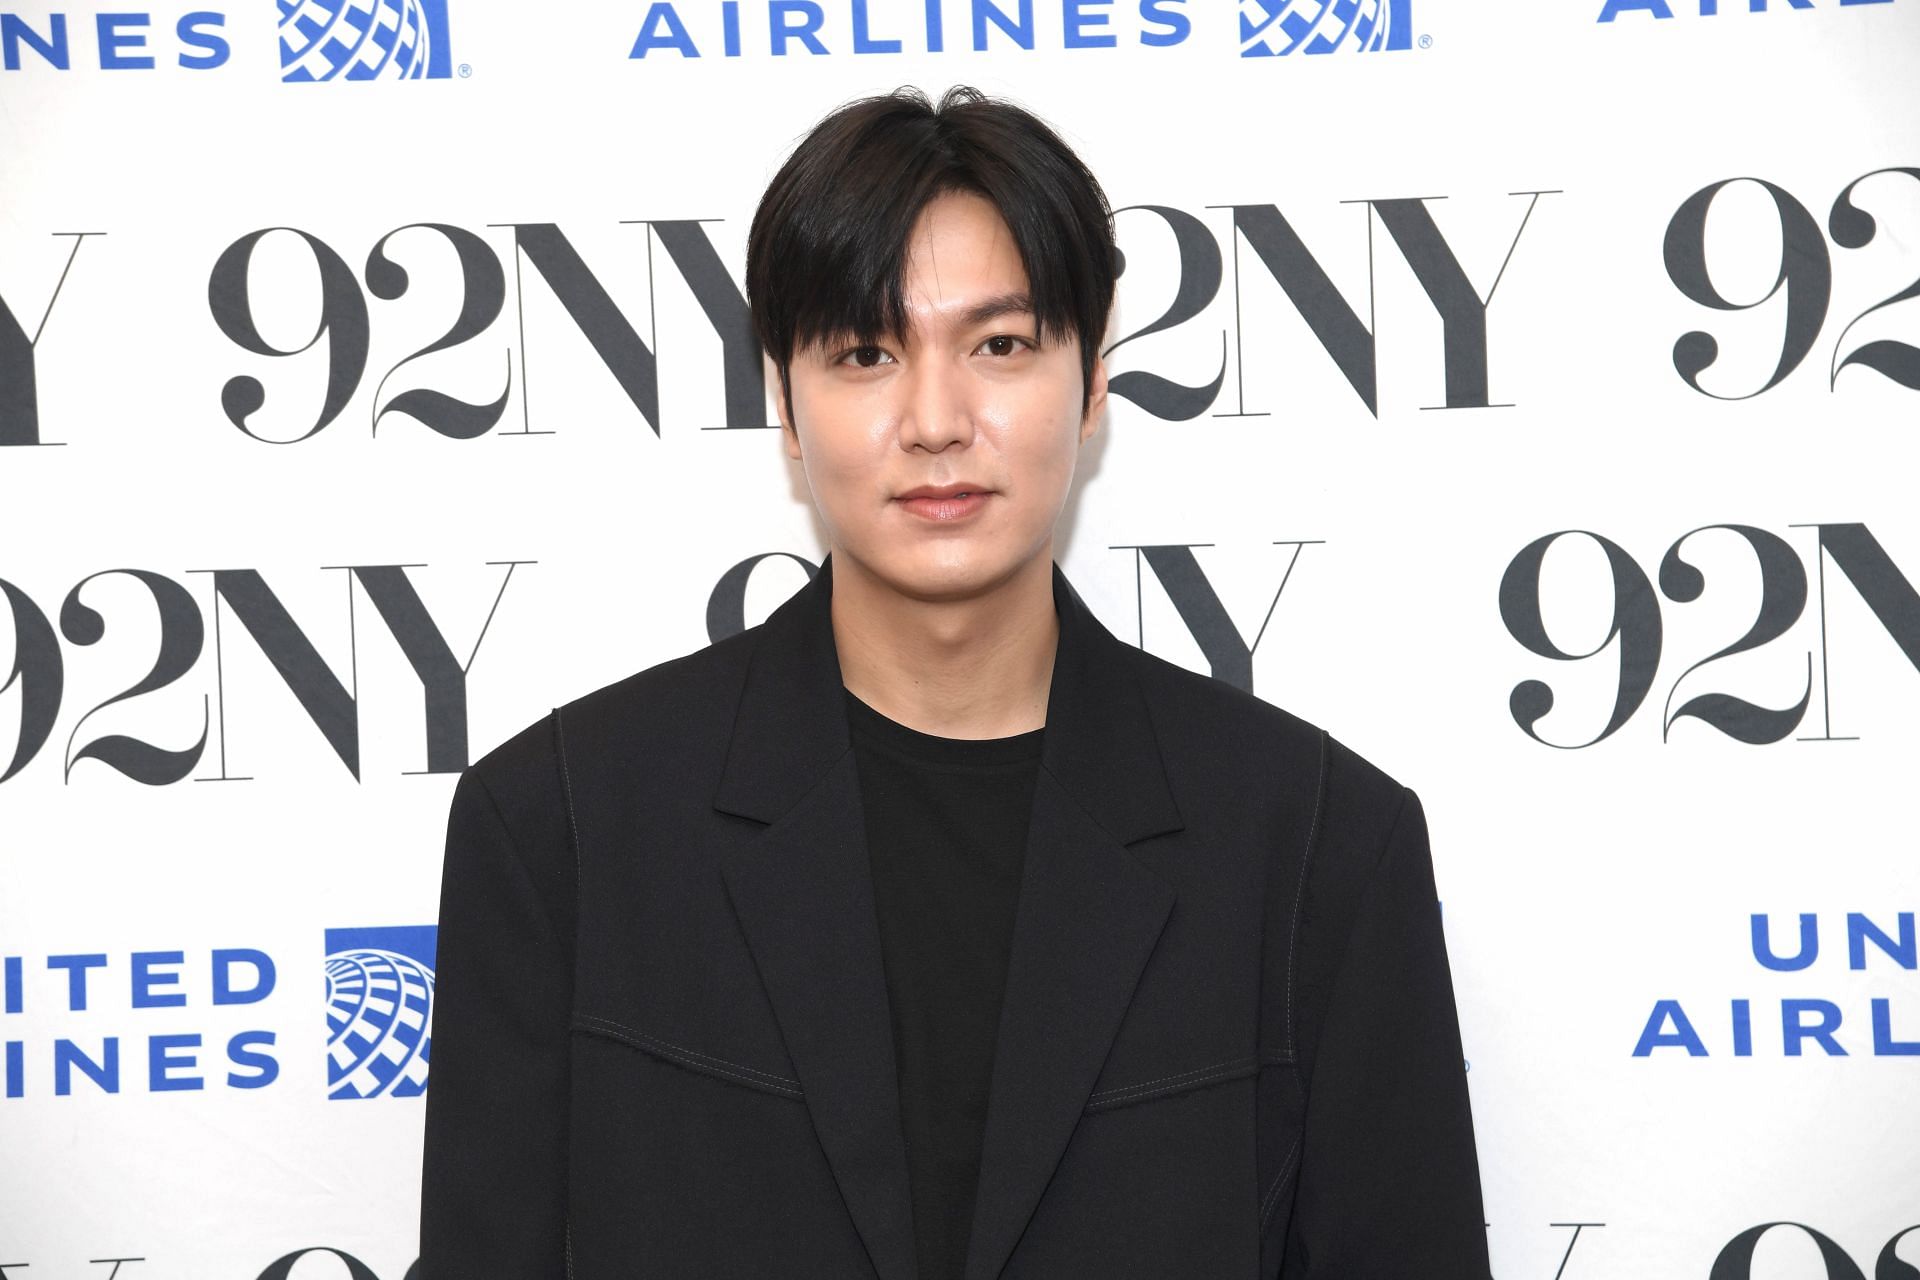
{"points": [[1585, 878]]}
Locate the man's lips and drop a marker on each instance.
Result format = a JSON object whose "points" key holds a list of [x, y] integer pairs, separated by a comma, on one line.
{"points": [[943, 502], [942, 490]]}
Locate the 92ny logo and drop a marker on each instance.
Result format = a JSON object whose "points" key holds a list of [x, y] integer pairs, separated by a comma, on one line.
{"points": [[1635, 628], [1196, 260], [332, 706], [629, 346], [335, 708], [636, 363]]}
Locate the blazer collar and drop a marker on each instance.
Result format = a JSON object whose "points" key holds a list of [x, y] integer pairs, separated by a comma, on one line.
{"points": [[1090, 913], [791, 724]]}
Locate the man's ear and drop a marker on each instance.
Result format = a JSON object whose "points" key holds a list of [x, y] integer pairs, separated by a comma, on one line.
{"points": [[1096, 399]]}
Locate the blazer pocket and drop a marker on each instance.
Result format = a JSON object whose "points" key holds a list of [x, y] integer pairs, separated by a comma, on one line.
{"points": [[692, 1059], [1151, 1087]]}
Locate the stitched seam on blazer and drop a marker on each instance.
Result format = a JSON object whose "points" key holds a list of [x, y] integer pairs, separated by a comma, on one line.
{"points": [[1300, 888], [500, 819], [688, 1057], [573, 822], [573, 827], [1173, 1084], [1178, 1075], [1279, 1180], [692, 1053], [1374, 874]]}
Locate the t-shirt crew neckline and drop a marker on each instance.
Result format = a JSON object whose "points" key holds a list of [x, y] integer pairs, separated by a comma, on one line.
{"points": [[875, 730]]}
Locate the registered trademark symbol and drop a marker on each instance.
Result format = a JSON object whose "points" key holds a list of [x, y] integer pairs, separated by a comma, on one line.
{"points": [[1426, 42], [466, 69]]}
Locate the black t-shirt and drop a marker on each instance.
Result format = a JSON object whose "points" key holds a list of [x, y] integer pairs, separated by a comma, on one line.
{"points": [[946, 838]]}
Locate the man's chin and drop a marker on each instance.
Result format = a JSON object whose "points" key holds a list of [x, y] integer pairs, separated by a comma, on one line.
{"points": [[945, 574]]}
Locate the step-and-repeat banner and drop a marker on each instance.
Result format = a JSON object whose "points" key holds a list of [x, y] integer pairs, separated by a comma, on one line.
{"points": [[1527, 392]]}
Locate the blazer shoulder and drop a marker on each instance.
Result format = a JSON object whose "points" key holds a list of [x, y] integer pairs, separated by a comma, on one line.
{"points": [[1211, 729], [1334, 815], [1196, 708], [645, 714], [657, 707]]}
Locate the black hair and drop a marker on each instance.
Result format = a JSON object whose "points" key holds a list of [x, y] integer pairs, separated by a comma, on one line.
{"points": [[827, 252]]}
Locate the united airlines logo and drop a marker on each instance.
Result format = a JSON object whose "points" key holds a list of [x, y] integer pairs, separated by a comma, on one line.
{"points": [[379, 1011], [1272, 28], [363, 40]]}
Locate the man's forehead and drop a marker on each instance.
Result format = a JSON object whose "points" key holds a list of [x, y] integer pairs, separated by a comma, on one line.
{"points": [[962, 213], [966, 306], [962, 265], [962, 237]]}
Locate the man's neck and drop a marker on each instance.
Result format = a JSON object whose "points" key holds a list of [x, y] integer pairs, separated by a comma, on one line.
{"points": [[980, 667]]}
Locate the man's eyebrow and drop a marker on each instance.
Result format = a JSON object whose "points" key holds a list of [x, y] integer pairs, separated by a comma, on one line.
{"points": [[1000, 304]]}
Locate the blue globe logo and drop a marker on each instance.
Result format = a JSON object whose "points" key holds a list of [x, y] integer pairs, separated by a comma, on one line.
{"points": [[356, 39], [1271, 28], [379, 1024]]}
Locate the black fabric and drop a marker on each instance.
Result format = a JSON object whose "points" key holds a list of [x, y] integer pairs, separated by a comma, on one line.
{"points": [[661, 1039], [946, 840]]}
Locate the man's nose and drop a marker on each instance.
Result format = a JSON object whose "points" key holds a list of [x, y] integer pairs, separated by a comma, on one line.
{"points": [[937, 407]]}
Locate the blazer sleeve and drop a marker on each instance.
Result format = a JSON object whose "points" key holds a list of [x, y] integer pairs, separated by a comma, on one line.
{"points": [[494, 1163], [1389, 1181]]}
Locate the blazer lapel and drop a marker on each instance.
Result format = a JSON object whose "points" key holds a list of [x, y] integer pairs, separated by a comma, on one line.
{"points": [[804, 897], [1089, 915], [803, 893]]}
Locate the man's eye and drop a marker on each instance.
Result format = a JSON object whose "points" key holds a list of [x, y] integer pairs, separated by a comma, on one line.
{"points": [[1003, 344], [866, 357]]}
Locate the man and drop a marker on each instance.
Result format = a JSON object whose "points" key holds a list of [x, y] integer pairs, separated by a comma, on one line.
{"points": [[926, 929]]}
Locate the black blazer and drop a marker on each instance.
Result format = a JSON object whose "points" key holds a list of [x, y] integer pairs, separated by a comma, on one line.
{"points": [[661, 1042]]}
